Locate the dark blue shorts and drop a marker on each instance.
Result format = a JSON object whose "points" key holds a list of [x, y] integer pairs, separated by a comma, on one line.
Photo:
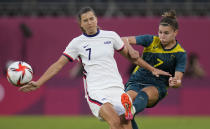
{"points": [[137, 86]]}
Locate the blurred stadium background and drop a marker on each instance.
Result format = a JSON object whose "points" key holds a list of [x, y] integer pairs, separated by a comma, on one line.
{"points": [[37, 31]]}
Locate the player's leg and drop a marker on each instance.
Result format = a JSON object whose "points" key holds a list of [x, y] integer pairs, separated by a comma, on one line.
{"points": [[134, 124], [129, 110], [106, 105], [108, 113], [147, 96], [126, 124], [117, 105], [128, 106], [132, 94], [102, 108], [127, 98], [152, 93]]}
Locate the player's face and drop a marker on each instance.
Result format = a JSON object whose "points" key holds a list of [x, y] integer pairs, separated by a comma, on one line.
{"points": [[89, 23], [166, 34]]}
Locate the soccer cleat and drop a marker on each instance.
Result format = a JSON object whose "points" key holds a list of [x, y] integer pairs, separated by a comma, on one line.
{"points": [[127, 104]]}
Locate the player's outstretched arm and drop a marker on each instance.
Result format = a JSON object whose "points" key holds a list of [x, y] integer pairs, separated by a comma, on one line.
{"points": [[134, 57], [155, 71], [49, 73], [130, 39]]}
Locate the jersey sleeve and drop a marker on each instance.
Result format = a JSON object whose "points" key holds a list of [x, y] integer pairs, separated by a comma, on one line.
{"points": [[118, 44], [71, 51], [144, 40], [181, 62]]}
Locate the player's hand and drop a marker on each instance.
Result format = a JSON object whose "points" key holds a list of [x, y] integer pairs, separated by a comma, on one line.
{"points": [[158, 72], [31, 86], [173, 82]]}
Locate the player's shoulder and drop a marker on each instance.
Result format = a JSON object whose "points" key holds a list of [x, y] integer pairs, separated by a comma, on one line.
{"points": [[108, 33], [80, 38], [77, 40], [155, 38], [179, 48]]}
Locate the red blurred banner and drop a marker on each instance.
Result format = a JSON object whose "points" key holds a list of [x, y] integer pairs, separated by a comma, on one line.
{"points": [[63, 96]]}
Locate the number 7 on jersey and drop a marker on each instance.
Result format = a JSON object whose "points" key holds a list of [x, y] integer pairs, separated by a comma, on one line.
{"points": [[89, 50]]}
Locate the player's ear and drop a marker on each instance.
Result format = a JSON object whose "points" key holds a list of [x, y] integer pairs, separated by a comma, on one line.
{"points": [[176, 32], [96, 20]]}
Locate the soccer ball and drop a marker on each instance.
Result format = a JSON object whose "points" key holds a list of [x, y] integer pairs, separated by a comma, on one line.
{"points": [[19, 73]]}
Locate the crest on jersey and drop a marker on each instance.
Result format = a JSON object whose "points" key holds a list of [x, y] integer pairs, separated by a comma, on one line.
{"points": [[107, 42]]}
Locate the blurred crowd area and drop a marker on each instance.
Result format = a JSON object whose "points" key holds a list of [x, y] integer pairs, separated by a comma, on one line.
{"points": [[104, 8]]}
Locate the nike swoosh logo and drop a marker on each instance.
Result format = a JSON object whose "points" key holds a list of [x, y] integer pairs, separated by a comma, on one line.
{"points": [[85, 46]]}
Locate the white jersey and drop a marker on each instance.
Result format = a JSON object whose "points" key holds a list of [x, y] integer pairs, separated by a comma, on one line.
{"points": [[97, 55]]}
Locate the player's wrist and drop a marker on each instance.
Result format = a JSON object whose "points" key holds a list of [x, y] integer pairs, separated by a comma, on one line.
{"points": [[37, 84], [178, 83], [153, 70], [175, 85]]}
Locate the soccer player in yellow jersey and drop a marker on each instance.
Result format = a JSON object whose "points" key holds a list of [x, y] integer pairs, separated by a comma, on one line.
{"points": [[163, 52]]}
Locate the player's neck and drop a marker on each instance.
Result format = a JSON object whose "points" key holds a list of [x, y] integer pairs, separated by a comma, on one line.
{"points": [[170, 45], [93, 32]]}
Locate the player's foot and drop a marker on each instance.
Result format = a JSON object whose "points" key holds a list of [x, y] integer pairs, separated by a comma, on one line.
{"points": [[127, 104]]}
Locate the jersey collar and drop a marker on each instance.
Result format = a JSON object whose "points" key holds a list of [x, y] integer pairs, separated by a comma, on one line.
{"points": [[98, 31], [170, 48]]}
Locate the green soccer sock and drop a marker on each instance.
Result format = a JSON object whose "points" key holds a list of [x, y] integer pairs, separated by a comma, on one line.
{"points": [[140, 102], [134, 124]]}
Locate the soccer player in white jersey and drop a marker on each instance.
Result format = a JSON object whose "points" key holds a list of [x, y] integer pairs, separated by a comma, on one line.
{"points": [[102, 81]]}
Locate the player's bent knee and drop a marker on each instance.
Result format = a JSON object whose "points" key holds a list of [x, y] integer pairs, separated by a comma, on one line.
{"points": [[152, 93], [151, 102], [132, 94]]}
